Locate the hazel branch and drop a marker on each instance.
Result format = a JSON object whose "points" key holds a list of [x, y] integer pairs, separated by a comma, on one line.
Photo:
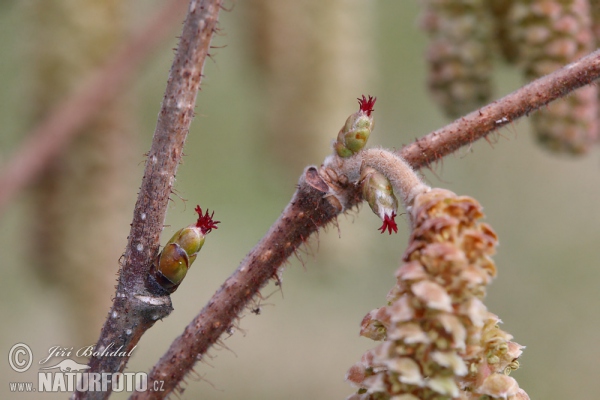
{"points": [[309, 210], [138, 302]]}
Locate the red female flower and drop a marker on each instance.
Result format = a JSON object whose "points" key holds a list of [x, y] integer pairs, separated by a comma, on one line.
{"points": [[205, 222], [389, 223], [366, 105]]}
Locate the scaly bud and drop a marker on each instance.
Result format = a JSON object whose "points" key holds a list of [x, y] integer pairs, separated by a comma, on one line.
{"points": [[353, 136], [181, 251], [378, 192]]}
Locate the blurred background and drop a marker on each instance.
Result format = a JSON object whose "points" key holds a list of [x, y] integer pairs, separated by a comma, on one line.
{"points": [[275, 94]]}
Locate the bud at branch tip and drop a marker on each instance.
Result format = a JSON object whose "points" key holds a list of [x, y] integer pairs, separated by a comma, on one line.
{"points": [[353, 136]]}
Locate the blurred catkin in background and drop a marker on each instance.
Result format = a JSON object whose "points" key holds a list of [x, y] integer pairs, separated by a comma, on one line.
{"points": [[549, 35], [310, 54], [459, 54], [80, 216], [540, 36]]}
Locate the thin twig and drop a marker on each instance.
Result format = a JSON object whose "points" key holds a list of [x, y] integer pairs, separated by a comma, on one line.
{"points": [[49, 138], [138, 303], [309, 210]]}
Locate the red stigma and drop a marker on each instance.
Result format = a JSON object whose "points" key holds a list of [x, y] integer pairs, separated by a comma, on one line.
{"points": [[205, 222], [366, 105], [389, 224]]}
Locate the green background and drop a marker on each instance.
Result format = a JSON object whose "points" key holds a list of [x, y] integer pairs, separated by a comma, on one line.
{"points": [[543, 207]]}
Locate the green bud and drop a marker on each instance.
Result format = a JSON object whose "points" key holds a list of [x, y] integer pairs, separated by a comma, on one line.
{"points": [[173, 264], [181, 250], [353, 136], [191, 239], [341, 149], [379, 193]]}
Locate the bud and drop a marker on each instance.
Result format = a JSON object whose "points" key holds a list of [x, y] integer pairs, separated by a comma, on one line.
{"points": [[379, 193], [181, 251], [353, 136]]}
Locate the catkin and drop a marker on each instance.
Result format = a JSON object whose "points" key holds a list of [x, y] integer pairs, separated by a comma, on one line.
{"points": [[309, 54], [439, 341], [80, 218], [550, 34], [459, 53]]}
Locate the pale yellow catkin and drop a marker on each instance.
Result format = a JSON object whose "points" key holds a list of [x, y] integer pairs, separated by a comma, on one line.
{"points": [[438, 340]]}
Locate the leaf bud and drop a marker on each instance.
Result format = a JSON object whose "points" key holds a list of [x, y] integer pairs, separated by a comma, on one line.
{"points": [[181, 250], [379, 193], [353, 136]]}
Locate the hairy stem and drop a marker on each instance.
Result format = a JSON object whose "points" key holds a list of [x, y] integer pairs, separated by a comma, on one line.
{"points": [[401, 175], [308, 211], [138, 304]]}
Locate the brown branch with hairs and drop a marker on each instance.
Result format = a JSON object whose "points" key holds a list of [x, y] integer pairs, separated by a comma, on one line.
{"points": [[309, 210], [52, 135], [139, 302]]}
